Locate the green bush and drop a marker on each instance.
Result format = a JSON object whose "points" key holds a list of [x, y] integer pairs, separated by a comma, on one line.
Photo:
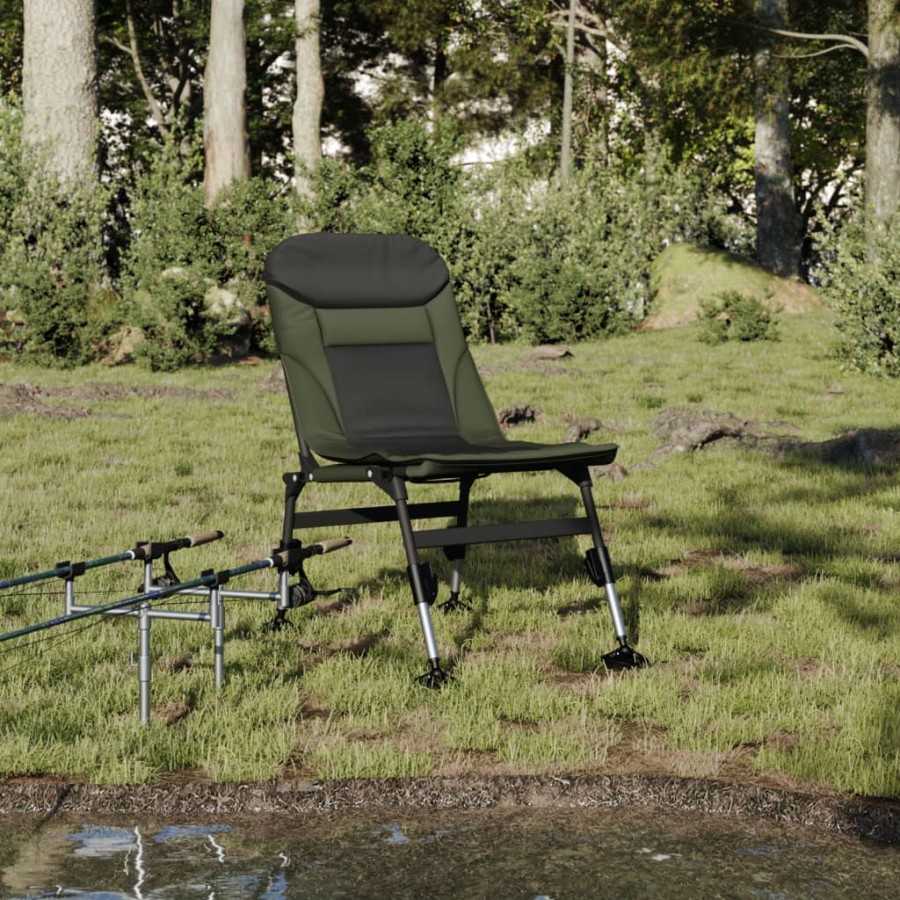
{"points": [[577, 272], [55, 293], [862, 285], [414, 186], [12, 176], [583, 269], [192, 277], [528, 260], [734, 316]]}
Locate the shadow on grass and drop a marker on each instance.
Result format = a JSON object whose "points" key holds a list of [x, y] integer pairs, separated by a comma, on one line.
{"points": [[756, 516], [524, 566], [535, 564], [820, 515]]}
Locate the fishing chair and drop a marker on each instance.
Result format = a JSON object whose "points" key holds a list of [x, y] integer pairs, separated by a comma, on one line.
{"points": [[383, 387]]}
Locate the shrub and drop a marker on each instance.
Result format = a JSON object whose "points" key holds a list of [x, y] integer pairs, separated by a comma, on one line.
{"points": [[731, 315], [528, 260], [861, 284], [54, 288], [414, 186], [576, 274], [192, 277], [583, 270], [12, 176]]}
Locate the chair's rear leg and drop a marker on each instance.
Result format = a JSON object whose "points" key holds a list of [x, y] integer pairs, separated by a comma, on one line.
{"points": [[423, 586], [601, 571], [293, 485], [453, 603], [457, 555]]}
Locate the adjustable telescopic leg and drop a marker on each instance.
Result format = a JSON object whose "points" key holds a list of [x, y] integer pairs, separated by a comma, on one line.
{"points": [[601, 572], [217, 621], [293, 484], [144, 661], [422, 583]]}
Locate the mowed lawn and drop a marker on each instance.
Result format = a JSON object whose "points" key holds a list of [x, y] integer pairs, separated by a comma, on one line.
{"points": [[764, 586]]}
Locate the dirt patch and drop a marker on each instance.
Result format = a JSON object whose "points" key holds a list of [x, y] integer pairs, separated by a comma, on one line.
{"points": [[751, 577], [26, 398], [690, 431], [754, 573], [35, 400], [684, 431], [540, 366], [878, 820], [275, 380], [517, 414], [548, 351], [581, 428]]}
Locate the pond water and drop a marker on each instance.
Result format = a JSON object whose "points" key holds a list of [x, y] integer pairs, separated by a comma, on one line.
{"points": [[610, 853]]}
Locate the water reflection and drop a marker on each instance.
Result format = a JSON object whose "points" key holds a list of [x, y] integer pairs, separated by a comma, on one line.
{"points": [[530, 854]]}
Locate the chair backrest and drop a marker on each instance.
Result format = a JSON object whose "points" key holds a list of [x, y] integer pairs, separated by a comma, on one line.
{"points": [[373, 351]]}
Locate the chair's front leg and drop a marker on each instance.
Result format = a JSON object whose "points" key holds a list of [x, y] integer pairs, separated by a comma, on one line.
{"points": [[601, 571], [422, 584]]}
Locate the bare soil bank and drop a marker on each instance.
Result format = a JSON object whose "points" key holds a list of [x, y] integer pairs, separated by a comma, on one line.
{"points": [[876, 820]]}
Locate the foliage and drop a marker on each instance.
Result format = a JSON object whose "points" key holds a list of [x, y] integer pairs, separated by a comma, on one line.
{"points": [[688, 78], [583, 266], [169, 264], [558, 263], [732, 315], [182, 256], [54, 292], [12, 174], [489, 67], [412, 186], [862, 284], [11, 29], [564, 285], [171, 40]]}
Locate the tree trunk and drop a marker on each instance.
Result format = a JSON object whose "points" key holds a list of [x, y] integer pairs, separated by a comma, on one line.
{"points": [[565, 156], [590, 128], [59, 87], [310, 94], [225, 140], [778, 223], [883, 110]]}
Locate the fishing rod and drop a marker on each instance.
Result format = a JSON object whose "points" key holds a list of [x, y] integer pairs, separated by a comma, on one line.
{"points": [[144, 550], [287, 558]]}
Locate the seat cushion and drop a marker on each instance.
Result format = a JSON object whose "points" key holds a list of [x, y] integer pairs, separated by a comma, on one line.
{"points": [[426, 464]]}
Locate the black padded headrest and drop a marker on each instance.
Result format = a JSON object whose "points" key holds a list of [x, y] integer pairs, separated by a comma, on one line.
{"points": [[348, 270]]}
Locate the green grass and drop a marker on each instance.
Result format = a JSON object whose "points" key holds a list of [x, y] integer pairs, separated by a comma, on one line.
{"points": [[686, 274], [764, 590]]}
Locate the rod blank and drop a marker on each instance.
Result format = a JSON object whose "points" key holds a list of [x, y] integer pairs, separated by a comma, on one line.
{"points": [[142, 550], [207, 579], [68, 569]]}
